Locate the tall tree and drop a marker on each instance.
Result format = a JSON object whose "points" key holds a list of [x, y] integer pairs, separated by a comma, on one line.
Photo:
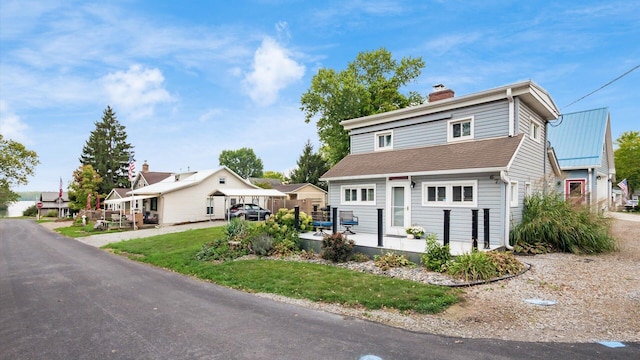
{"points": [[17, 164], [369, 85], [86, 181], [627, 159], [310, 167], [243, 162], [107, 151]]}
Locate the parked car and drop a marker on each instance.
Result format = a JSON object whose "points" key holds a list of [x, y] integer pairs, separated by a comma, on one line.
{"points": [[248, 212]]}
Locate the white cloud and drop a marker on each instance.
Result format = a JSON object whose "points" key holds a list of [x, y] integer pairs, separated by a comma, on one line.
{"points": [[136, 91], [11, 127], [273, 70]]}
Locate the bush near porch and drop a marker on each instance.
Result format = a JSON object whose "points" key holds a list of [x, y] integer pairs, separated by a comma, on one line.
{"points": [[551, 224]]}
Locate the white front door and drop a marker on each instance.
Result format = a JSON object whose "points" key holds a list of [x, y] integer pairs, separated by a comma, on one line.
{"points": [[398, 207]]}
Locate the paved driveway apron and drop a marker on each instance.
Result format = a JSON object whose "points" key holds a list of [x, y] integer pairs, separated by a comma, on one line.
{"points": [[61, 299]]}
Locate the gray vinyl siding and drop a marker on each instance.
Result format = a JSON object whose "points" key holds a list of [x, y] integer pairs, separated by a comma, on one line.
{"points": [[490, 120], [531, 162], [432, 218], [367, 214]]}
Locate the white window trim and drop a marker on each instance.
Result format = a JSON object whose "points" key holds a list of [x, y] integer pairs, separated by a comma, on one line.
{"points": [[449, 198], [358, 187], [377, 143], [513, 202], [532, 124], [450, 124], [528, 191]]}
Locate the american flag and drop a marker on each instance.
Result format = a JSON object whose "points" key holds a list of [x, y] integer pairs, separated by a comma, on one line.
{"points": [[623, 186], [132, 167], [60, 192]]}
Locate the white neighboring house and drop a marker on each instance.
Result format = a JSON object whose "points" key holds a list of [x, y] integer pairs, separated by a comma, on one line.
{"points": [[197, 196]]}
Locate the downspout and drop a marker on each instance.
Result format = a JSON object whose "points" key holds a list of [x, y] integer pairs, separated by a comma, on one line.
{"points": [[590, 187], [511, 112], [507, 208], [545, 156]]}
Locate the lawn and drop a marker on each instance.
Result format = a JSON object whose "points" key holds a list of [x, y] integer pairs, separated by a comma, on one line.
{"points": [[75, 231], [301, 280]]}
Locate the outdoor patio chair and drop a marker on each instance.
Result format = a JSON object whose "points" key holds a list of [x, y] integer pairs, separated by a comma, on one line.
{"points": [[347, 220], [321, 221]]}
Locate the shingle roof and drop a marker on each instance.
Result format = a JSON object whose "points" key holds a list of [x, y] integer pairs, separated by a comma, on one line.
{"points": [[578, 138], [153, 177], [458, 157], [287, 188], [53, 196]]}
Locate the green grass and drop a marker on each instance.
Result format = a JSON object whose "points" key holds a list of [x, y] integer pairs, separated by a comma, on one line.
{"points": [[301, 280], [76, 231]]}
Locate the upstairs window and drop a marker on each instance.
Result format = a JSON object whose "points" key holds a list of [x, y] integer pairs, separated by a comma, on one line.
{"points": [[535, 130], [384, 140], [222, 180], [461, 129]]}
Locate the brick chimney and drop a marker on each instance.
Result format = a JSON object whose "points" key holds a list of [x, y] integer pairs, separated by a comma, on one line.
{"points": [[440, 92], [145, 167]]}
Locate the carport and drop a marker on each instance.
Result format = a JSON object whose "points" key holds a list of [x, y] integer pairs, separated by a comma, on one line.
{"points": [[245, 196]]}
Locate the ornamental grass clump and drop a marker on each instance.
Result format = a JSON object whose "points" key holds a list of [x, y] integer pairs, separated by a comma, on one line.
{"points": [[565, 227]]}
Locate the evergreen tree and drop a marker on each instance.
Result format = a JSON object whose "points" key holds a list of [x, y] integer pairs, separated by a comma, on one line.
{"points": [[310, 168], [107, 151]]}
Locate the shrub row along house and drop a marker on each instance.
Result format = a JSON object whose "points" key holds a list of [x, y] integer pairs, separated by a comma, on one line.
{"points": [[454, 162]]}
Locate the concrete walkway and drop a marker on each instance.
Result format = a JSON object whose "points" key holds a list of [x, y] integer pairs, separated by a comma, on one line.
{"points": [[624, 216], [108, 238]]}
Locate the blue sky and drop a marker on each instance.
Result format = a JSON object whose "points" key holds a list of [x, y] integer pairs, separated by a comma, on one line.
{"points": [[189, 79]]}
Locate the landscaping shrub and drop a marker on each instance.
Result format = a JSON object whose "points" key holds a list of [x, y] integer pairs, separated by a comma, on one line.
{"points": [[505, 263], [564, 227], [391, 260], [221, 250], [237, 229], [472, 266], [360, 257], [30, 211], [260, 244], [337, 248], [436, 256], [52, 213]]}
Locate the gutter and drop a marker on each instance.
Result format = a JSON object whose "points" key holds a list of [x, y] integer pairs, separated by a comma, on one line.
{"points": [[507, 208]]}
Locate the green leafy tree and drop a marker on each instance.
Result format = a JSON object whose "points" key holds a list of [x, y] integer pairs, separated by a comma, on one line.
{"points": [[86, 181], [17, 164], [243, 162], [311, 166], [107, 151], [369, 85], [273, 175], [627, 159]]}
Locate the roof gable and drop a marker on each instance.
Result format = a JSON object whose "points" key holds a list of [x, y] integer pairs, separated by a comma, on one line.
{"points": [[184, 180], [579, 138], [479, 155], [528, 91]]}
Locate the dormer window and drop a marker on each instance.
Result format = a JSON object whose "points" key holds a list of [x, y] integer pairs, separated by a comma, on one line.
{"points": [[460, 129], [535, 130], [384, 140]]}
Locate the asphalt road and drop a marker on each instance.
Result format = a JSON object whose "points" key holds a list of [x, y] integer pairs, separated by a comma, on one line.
{"points": [[62, 299]]}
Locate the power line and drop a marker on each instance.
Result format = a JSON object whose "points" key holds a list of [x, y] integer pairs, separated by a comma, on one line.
{"points": [[605, 85]]}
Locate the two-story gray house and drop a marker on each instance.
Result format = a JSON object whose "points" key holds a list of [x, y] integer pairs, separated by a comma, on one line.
{"points": [[446, 158]]}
